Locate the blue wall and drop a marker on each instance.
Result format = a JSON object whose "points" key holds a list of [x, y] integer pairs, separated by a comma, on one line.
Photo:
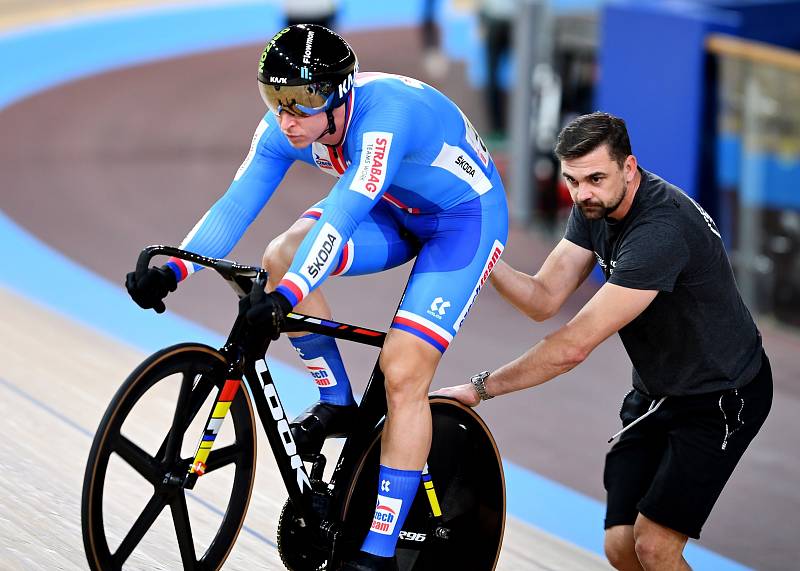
{"points": [[654, 73]]}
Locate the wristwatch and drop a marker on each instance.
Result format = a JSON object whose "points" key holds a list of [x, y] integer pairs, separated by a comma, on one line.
{"points": [[479, 382]]}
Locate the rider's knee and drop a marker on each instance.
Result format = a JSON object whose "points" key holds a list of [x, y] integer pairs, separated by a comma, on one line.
{"points": [[405, 380], [281, 250], [275, 259]]}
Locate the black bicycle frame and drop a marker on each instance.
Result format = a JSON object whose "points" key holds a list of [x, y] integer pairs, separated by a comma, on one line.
{"points": [[373, 403], [276, 424], [245, 353]]}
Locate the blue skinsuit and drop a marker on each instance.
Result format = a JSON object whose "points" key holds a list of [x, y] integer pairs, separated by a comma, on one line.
{"points": [[414, 179]]}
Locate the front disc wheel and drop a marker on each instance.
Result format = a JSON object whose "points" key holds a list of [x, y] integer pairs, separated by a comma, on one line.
{"points": [[141, 455]]}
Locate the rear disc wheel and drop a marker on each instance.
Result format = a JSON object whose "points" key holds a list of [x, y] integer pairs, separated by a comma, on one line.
{"points": [[467, 476]]}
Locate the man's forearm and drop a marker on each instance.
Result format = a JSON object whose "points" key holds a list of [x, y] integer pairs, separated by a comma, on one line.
{"points": [[552, 356]]}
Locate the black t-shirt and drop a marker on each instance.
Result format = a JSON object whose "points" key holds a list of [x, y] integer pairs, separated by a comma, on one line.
{"points": [[696, 336]]}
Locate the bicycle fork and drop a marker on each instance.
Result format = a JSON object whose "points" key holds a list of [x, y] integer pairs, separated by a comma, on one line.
{"points": [[215, 419]]}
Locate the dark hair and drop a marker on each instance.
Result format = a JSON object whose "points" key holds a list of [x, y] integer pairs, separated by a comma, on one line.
{"points": [[586, 133]]}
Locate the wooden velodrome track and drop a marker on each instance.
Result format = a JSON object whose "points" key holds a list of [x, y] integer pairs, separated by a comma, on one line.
{"points": [[103, 166], [56, 378]]}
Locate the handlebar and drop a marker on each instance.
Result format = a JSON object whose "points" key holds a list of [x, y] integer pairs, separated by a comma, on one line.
{"points": [[240, 277]]}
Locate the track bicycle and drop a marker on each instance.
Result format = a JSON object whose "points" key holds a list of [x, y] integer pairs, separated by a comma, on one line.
{"points": [[456, 520]]}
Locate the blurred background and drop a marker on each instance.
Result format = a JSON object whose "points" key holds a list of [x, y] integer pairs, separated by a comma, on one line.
{"points": [[121, 121]]}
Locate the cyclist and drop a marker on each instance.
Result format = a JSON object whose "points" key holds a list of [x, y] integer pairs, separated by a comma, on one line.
{"points": [[414, 179]]}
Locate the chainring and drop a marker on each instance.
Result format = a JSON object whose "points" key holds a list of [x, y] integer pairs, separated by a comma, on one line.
{"points": [[299, 551]]}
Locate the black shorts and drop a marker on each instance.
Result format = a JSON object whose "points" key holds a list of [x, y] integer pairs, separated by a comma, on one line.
{"points": [[671, 467]]}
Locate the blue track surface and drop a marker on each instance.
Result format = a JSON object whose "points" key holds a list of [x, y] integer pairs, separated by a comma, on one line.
{"points": [[41, 58]]}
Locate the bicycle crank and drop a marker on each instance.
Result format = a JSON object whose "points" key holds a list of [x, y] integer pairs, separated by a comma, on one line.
{"points": [[300, 548]]}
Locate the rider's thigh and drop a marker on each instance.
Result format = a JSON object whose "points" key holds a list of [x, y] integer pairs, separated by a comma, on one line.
{"points": [[451, 269], [380, 242], [408, 363]]}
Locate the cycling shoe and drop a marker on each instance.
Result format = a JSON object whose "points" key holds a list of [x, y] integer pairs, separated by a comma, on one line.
{"points": [[320, 421], [368, 562]]}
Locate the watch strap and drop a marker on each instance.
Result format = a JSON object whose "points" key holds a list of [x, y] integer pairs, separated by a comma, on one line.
{"points": [[479, 382]]}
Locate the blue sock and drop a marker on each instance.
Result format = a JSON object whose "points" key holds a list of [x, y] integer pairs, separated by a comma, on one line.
{"points": [[396, 491], [322, 359]]}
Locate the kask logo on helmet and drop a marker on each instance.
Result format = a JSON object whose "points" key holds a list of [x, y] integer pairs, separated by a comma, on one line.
{"points": [[344, 87]]}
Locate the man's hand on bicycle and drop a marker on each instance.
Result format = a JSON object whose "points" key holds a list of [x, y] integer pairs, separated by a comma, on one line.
{"points": [[266, 311], [465, 394], [149, 289]]}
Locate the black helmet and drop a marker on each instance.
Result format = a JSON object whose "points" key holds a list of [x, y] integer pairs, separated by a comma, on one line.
{"points": [[306, 69]]}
